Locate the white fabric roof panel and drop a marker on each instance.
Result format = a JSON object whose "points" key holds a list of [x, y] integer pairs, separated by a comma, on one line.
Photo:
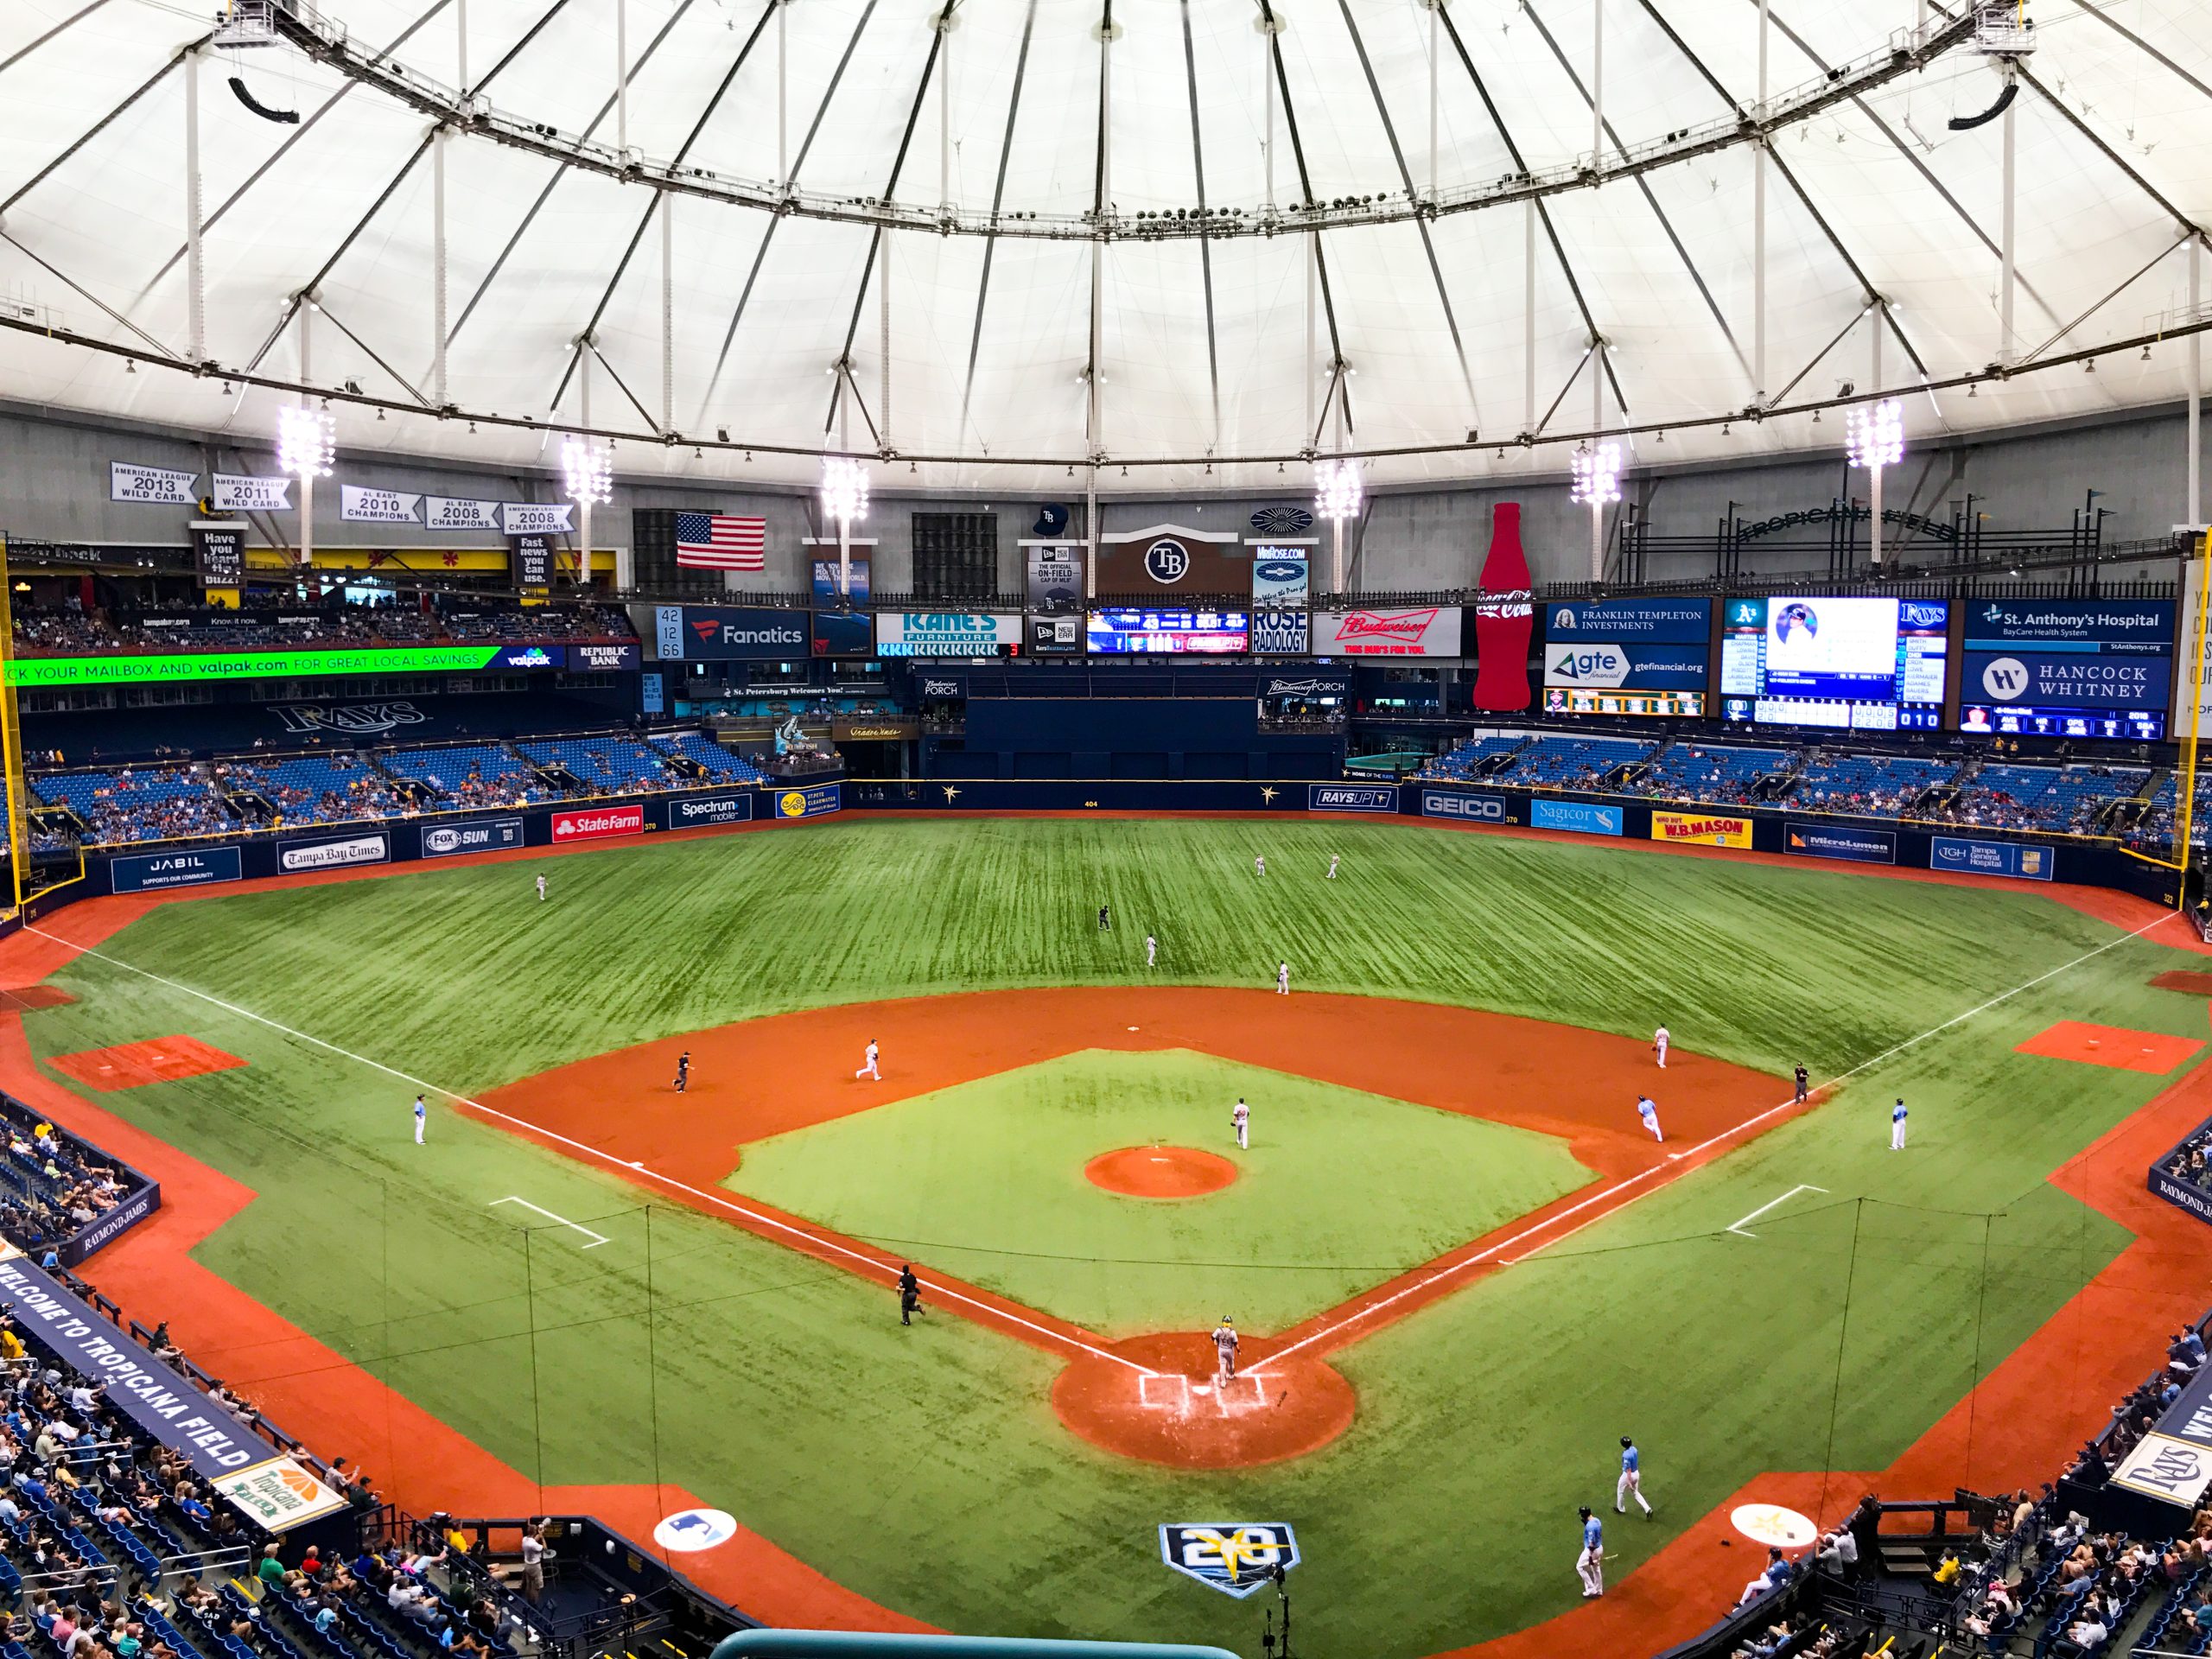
{"points": [[1203, 344]]}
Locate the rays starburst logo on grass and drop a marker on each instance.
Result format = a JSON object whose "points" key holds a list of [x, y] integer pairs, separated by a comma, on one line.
{"points": [[1235, 1557]]}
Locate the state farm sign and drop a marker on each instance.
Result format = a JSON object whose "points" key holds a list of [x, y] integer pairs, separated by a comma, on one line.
{"points": [[1419, 631], [596, 822]]}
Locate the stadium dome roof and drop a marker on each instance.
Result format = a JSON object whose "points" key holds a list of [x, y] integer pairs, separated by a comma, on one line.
{"points": [[1250, 151]]}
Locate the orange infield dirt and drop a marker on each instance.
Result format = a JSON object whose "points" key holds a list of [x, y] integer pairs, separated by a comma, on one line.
{"points": [[2113, 1045], [2019, 1425], [1161, 1171], [2187, 980], [132, 1065]]}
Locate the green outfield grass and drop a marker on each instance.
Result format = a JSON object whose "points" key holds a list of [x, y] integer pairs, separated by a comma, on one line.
{"points": [[923, 1467], [1338, 1191]]}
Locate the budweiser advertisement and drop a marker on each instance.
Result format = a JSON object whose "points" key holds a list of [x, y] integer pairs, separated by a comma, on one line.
{"points": [[596, 822], [1504, 617], [1420, 631]]}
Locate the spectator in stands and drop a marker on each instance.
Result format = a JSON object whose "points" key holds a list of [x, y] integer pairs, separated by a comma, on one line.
{"points": [[533, 1560]]}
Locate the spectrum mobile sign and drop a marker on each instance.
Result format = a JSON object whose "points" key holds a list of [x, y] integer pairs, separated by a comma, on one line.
{"points": [[27, 673]]}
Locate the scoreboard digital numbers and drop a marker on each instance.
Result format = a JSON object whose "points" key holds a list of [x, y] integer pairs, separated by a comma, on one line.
{"points": [[1850, 665], [1161, 633]]}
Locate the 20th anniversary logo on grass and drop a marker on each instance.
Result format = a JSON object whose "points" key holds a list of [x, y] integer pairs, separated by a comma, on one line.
{"points": [[1235, 1557]]}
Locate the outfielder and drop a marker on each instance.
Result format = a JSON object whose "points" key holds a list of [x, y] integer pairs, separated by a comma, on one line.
{"points": [[1590, 1564], [1259, 863], [541, 889], [1282, 980], [1151, 951], [1659, 1040], [1896, 1126], [868, 1069], [1240, 1119], [1648, 1109], [422, 1119], [1225, 1352], [1332, 866], [1630, 1484]]}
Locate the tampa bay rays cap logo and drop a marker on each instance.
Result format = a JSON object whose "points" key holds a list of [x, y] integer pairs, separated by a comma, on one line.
{"points": [[1235, 1557], [1167, 560]]}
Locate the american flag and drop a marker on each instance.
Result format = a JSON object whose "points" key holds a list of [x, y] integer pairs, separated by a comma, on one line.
{"points": [[710, 541]]}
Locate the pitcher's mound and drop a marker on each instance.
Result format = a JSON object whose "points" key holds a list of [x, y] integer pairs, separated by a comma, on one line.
{"points": [[1159, 1172]]}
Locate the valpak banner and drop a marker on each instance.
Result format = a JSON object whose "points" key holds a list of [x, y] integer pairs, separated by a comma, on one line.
{"points": [[1463, 808], [449, 512], [333, 854], [1426, 630], [156, 487], [1990, 858], [809, 803], [687, 812], [152, 872], [1854, 846], [487, 835], [598, 823], [366, 506], [1702, 828], [244, 493], [946, 634], [1351, 797]]}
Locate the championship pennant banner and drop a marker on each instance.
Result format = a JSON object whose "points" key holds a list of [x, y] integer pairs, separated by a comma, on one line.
{"points": [[245, 493], [158, 487], [367, 506]]}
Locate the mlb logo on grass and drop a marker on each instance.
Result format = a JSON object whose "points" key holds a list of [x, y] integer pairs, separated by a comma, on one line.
{"points": [[1235, 1557]]}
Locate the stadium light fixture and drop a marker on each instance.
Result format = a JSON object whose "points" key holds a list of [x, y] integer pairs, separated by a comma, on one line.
{"points": [[1874, 438], [1336, 498], [1595, 479], [587, 470], [307, 448], [844, 497]]}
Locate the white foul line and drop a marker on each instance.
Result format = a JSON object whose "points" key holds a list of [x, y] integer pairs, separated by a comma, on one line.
{"points": [[753, 1216], [1641, 1176], [1737, 1227], [597, 1239]]}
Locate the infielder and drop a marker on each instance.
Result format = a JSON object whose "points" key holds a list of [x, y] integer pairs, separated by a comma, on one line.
{"points": [[1896, 1126], [1259, 863], [868, 1069], [1225, 1352], [1151, 951], [1630, 1484], [1648, 1109], [1590, 1564], [1332, 866], [1282, 980], [541, 889], [1659, 1040], [1240, 1119], [422, 1119], [683, 1071]]}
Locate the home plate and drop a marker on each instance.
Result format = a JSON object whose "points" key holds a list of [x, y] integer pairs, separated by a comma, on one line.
{"points": [[1202, 1388], [1132, 1027]]}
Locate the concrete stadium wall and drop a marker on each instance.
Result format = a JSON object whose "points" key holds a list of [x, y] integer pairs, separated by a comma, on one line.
{"points": [[53, 486]]}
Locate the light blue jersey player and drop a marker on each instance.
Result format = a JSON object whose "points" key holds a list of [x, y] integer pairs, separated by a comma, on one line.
{"points": [[1630, 1484], [1648, 1109], [1896, 1126], [1590, 1564]]}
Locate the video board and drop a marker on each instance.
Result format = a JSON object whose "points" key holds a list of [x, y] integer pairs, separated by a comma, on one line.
{"points": [[2069, 668], [1857, 664], [1627, 656], [1158, 632]]}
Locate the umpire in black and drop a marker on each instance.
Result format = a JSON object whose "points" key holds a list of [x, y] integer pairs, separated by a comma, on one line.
{"points": [[910, 1294]]}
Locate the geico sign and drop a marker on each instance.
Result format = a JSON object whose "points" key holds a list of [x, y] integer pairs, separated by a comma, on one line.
{"points": [[1487, 808]]}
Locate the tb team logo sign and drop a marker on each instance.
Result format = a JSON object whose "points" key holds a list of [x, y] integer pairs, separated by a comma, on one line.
{"points": [[1167, 560], [1235, 1557]]}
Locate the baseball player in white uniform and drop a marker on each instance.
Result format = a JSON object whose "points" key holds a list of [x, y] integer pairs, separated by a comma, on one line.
{"points": [[1259, 863], [1282, 980], [1332, 866], [1225, 1352], [1896, 1126], [1151, 951], [1659, 1040], [541, 889], [1240, 1119], [1648, 1109], [868, 1068], [1630, 1484], [422, 1119]]}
